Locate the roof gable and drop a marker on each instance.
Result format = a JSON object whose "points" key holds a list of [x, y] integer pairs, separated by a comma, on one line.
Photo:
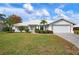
{"points": [[66, 21]]}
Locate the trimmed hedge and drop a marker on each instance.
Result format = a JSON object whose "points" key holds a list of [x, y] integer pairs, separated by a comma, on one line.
{"points": [[27, 30], [76, 30], [43, 31], [23, 28]]}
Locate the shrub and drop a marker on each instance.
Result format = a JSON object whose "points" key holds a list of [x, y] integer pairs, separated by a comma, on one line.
{"points": [[37, 30], [7, 29], [27, 30], [49, 31], [76, 30], [40, 31], [43, 31], [21, 28]]}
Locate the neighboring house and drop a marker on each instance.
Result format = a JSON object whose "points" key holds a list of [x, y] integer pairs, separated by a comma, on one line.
{"points": [[58, 26], [1, 25]]}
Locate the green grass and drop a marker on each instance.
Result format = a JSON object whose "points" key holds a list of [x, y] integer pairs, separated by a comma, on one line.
{"points": [[34, 44]]}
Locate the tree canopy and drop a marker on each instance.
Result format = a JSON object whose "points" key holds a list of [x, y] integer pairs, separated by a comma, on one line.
{"points": [[15, 19], [10, 20], [43, 22]]}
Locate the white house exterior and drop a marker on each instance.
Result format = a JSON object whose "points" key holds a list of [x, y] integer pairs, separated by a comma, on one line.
{"points": [[58, 26], [61, 26]]}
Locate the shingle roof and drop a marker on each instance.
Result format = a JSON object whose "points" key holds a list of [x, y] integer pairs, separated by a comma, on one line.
{"points": [[31, 22], [37, 22]]}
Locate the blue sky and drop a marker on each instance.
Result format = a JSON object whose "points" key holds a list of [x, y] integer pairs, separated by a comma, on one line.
{"points": [[39, 11]]}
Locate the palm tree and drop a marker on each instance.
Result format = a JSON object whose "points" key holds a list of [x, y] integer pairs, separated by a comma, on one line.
{"points": [[13, 19], [2, 17], [44, 22], [8, 22]]}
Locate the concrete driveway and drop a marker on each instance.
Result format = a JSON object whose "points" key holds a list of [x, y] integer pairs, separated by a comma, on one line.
{"points": [[73, 38]]}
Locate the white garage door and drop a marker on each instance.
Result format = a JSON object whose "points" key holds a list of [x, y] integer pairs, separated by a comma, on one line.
{"points": [[61, 29]]}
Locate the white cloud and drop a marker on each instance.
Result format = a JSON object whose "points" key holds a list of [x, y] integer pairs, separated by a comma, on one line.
{"points": [[45, 12], [28, 7], [70, 14], [60, 13], [38, 13], [17, 11], [41, 12], [5, 9], [35, 12]]}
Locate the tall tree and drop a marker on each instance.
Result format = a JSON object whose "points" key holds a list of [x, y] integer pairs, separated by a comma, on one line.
{"points": [[44, 22], [15, 19], [8, 22], [2, 19]]}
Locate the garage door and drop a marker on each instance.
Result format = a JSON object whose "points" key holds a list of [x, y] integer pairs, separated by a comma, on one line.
{"points": [[61, 29]]}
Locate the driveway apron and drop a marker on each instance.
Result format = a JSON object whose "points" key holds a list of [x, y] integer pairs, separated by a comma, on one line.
{"points": [[73, 38]]}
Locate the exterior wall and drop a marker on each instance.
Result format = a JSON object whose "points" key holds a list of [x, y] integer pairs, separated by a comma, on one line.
{"points": [[50, 27], [15, 28], [72, 29], [33, 27], [46, 27]]}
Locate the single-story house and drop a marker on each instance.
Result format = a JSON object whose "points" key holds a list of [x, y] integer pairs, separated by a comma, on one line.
{"points": [[58, 26]]}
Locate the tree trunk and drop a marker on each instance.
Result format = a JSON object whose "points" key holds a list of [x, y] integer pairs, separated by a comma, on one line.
{"points": [[43, 27]]}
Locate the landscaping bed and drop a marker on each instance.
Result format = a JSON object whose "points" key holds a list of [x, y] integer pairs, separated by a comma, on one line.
{"points": [[43, 31]]}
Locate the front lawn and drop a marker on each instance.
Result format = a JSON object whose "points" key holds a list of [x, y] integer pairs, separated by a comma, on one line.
{"points": [[34, 44]]}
